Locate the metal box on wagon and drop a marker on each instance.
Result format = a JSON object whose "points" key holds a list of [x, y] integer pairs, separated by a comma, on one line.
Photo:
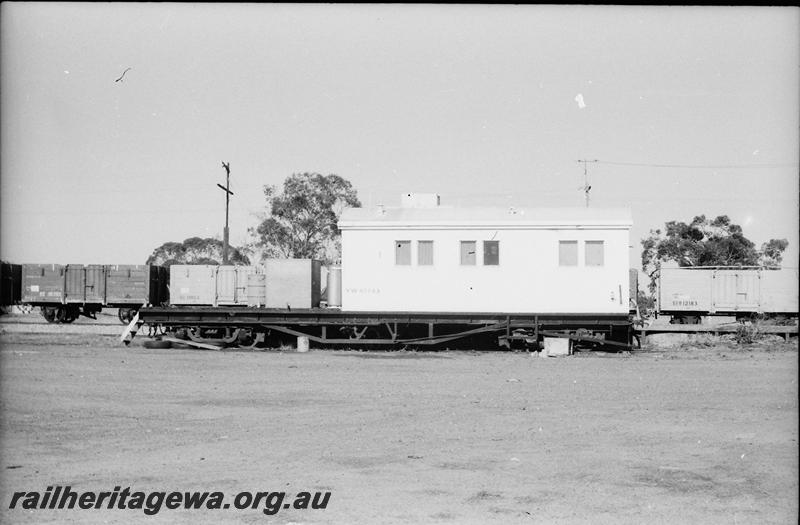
{"points": [[257, 289], [208, 284], [292, 283], [193, 284], [232, 284]]}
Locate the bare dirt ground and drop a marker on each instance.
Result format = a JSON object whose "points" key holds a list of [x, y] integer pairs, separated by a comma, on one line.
{"points": [[685, 435]]}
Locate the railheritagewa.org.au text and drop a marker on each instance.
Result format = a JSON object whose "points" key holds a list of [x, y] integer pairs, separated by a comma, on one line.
{"points": [[59, 497]]}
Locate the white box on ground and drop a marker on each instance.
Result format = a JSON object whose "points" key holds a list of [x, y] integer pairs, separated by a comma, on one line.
{"points": [[557, 346], [302, 344]]}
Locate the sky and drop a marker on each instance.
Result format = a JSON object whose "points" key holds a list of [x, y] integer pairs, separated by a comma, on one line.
{"points": [[688, 111]]}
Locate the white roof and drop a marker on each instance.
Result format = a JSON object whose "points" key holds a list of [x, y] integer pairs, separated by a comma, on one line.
{"points": [[511, 218]]}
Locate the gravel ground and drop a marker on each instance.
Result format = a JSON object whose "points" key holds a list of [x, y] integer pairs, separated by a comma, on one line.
{"points": [[685, 435], [107, 323]]}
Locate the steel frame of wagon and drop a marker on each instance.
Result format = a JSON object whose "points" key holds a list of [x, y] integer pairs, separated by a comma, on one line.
{"points": [[428, 328]]}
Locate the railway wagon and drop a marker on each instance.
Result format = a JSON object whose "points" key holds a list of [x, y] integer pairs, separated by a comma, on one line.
{"points": [[65, 292], [427, 275], [10, 278], [129, 286], [689, 293]]}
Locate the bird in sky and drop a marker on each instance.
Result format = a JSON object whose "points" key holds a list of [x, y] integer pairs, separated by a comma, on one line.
{"points": [[123, 74]]}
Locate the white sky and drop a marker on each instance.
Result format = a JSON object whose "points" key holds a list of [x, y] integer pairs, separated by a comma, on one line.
{"points": [[485, 105]]}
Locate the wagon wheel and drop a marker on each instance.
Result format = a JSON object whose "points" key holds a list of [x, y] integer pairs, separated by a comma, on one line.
{"points": [[73, 313], [157, 343], [246, 339], [126, 315], [61, 315], [156, 330], [49, 314]]}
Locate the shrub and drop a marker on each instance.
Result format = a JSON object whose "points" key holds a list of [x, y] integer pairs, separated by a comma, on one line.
{"points": [[748, 333]]}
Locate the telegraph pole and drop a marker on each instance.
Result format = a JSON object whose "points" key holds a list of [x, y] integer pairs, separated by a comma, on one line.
{"points": [[586, 186], [228, 194]]}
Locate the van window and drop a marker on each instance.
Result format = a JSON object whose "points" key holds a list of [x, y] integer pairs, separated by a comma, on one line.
{"points": [[491, 253], [402, 253], [468, 253], [594, 253], [568, 253], [424, 253]]}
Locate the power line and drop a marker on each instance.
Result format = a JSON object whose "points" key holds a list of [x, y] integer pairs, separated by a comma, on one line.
{"points": [[697, 166], [586, 186]]}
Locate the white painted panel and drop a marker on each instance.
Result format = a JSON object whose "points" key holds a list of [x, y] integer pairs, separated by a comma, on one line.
{"points": [[293, 283], [685, 290], [256, 289], [226, 285], [735, 290], [779, 290], [528, 278], [242, 274], [193, 284]]}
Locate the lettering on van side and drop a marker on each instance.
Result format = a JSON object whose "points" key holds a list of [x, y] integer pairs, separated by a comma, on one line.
{"points": [[363, 290], [684, 303]]}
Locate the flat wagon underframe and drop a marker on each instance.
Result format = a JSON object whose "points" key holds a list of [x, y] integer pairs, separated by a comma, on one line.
{"points": [[226, 325]]}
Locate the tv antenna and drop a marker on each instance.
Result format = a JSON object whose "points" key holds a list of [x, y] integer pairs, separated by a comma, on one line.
{"points": [[586, 186]]}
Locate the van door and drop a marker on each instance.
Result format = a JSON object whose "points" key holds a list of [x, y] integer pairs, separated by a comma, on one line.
{"points": [[735, 290], [75, 287], [95, 284]]}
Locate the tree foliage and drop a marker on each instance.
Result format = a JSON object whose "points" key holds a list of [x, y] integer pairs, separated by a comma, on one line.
{"points": [[645, 303], [195, 250], [301, 220], [772, 252], [704, 242]]}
